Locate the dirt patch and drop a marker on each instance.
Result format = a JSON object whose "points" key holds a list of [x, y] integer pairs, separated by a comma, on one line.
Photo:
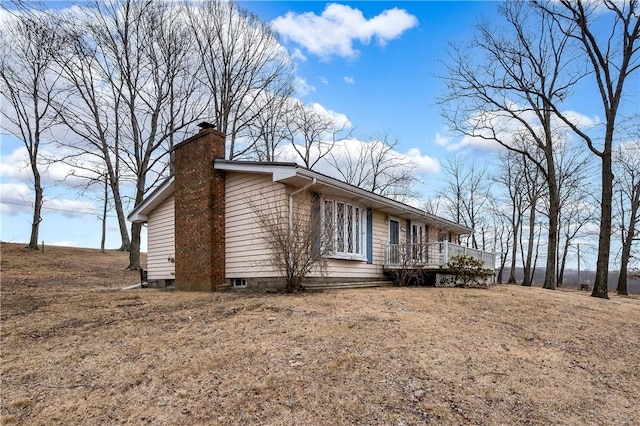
{"points": [[78, 350]]}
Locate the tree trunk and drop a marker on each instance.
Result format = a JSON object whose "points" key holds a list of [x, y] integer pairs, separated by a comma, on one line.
{"points": [[554, 206], [122, 221], [37, 207], [600, 285], [134, 247], [627, 242], [622, 279], [552, 246], [528, 277], [514, 252], [535, 258], [563, 263], [136, 228], [104, 214], [500, 271]]}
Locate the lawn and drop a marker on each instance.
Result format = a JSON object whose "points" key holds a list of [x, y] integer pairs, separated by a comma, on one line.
{"points": [[76, 349]]}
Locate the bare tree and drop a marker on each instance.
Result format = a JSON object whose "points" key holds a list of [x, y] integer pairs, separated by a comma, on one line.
{"points": [[512, 90], [376, 166], [242, 62], [268, 131], [502, 236], [130, 90], [511, 179], [534, 191], [89, 111], [577, 210], [432, 206], [294, 236], [313, 132], [28, 82], [609, 33], [466, 191], [627, 162]]}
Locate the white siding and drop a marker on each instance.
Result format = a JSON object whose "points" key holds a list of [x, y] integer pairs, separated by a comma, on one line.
{"points": [[246, 253], [161, 241]]}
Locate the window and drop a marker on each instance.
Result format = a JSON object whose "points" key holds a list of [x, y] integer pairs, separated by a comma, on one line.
{"points": [[349, 229], [238, 282], [329, 234], [395, 255], [340, 227], [344, 227], [394, 232]]}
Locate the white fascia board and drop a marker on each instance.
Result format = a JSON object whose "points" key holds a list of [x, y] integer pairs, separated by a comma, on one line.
{"points": [[141, 211], [278, 171]]}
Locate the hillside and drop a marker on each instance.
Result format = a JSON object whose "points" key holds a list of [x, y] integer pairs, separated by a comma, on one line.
{"points": [[587, 277], [78, 350]]}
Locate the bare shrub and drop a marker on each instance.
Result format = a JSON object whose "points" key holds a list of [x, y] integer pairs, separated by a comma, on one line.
{"points": [[293, 235]]}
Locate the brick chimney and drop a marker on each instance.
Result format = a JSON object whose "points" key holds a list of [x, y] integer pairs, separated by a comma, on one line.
{"points": [[199, 211]]}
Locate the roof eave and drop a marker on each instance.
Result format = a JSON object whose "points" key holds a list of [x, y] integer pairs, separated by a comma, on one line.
{"points": [[140, 212]]}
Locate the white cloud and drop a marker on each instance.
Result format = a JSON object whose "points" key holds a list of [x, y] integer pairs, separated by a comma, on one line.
{"points": [[345, 149], [500, 124], [475, 144], [15, 198], [298, 55], [324, 80], [70, 208], [442, 140], [15, 167], [335, 30], [349, 80], [302, 87], [340, 120], [424, 163], [581, 120]]}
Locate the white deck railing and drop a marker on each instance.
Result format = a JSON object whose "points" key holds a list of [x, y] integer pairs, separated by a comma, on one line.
{"points": [[432, 255]]}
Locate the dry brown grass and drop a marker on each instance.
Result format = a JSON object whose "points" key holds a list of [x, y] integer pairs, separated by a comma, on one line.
{"points": [[78, 350]]}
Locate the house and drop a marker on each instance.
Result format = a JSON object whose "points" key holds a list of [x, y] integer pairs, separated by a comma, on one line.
{"points": [[203, 231]]}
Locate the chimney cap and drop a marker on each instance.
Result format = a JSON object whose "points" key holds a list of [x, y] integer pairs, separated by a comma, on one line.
{"points": [[206, 125]]}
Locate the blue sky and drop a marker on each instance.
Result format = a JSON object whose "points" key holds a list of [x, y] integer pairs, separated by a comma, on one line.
{"points": [[381, 74], [391, 87]]}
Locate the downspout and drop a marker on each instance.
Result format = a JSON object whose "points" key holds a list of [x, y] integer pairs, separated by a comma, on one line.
{"points": [[304, 188]]}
